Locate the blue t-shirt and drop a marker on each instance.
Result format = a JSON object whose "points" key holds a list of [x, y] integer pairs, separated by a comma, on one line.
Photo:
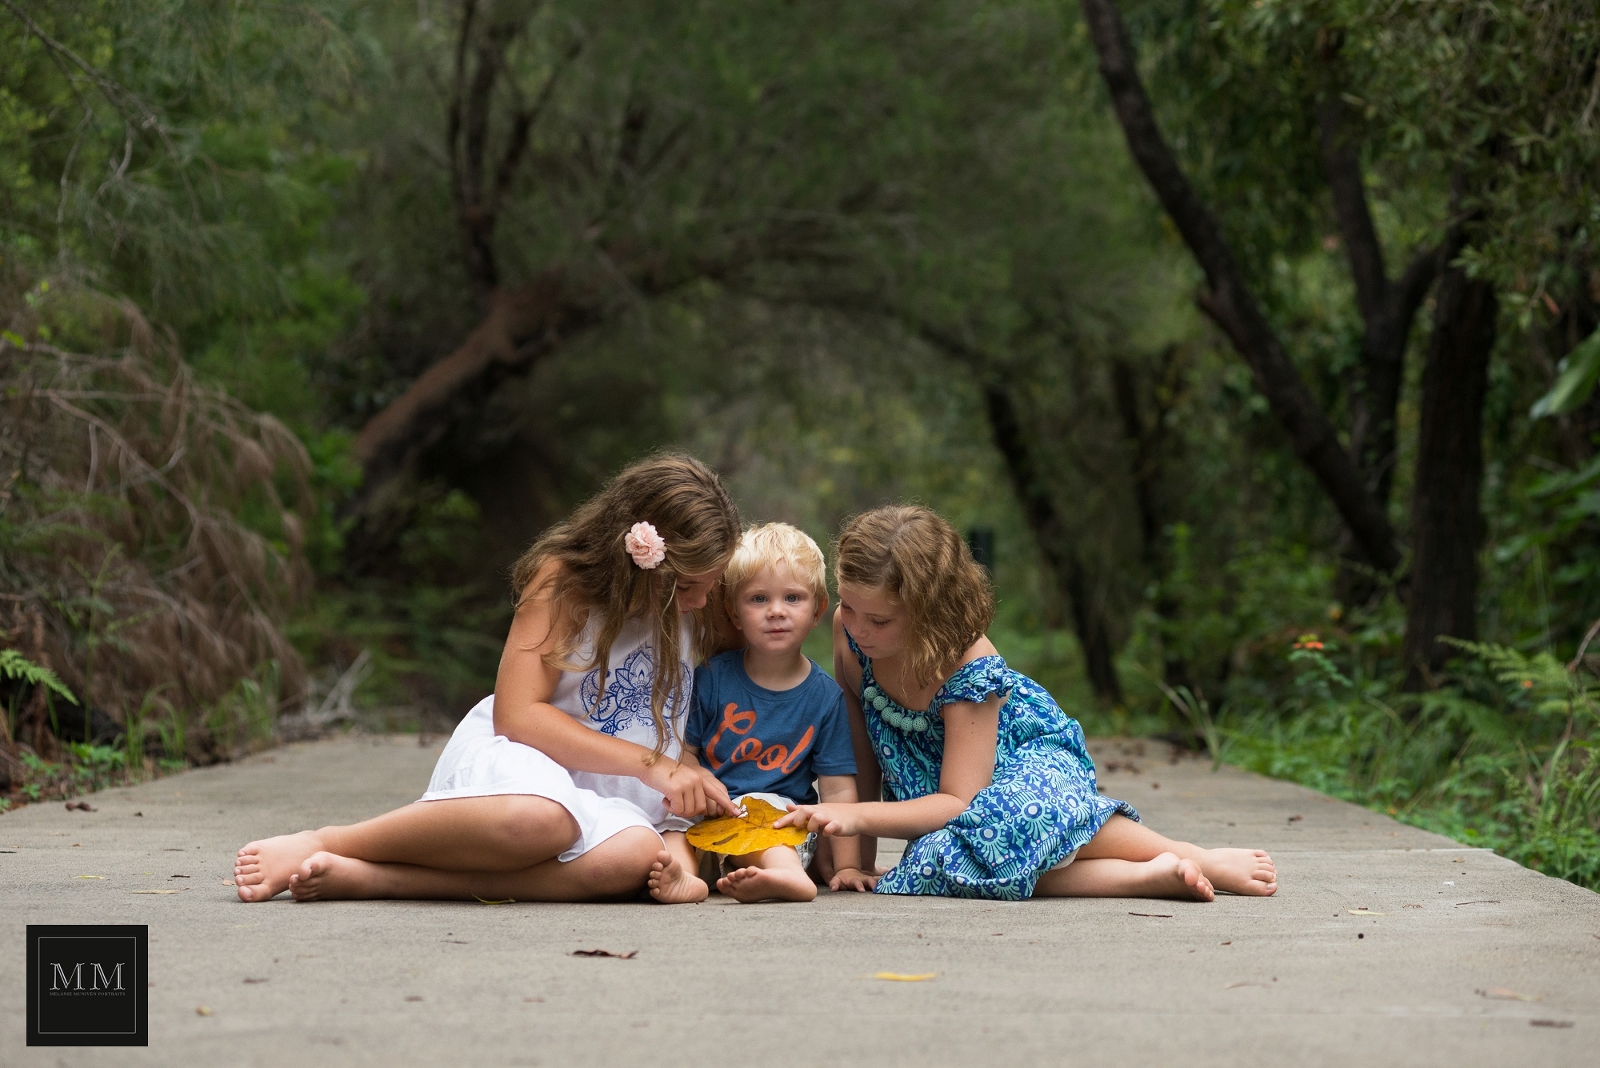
{"points": [[757, 740]]}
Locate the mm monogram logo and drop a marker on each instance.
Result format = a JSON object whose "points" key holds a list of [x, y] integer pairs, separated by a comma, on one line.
{"points": [[87, 985], [61, 979]]}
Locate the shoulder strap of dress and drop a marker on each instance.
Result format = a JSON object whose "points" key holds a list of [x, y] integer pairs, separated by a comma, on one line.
{"points": [[854, 648], [975, 681]]}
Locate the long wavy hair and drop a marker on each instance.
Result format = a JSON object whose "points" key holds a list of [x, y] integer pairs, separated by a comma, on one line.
{"points": [[597, 579], [916, 557]]}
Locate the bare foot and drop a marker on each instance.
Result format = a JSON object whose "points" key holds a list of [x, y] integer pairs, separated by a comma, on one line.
{"points": [[1241, 871], [330, 877], [1170, 876], [673, 884], [764, 884], [261, 870]]}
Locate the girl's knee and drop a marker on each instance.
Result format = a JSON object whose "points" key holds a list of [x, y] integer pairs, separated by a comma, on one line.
{"points": [[528, 823], [622, 862]]}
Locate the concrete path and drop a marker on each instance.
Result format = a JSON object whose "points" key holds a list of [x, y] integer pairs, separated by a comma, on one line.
{"points": [[1457, 957]]}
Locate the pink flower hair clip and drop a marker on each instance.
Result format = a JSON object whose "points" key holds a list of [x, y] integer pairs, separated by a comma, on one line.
{"points": [[645, 546]]}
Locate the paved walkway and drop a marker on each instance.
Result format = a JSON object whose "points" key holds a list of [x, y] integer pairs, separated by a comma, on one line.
{"points": [[1458, 957]]}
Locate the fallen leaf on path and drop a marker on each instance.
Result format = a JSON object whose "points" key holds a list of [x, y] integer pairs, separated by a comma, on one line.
{"points": [[80, 806], [1500, 993], [202, 1010], [1153, 915], [1296, 819], [1228, 943], [1231, 986], [179, 876], [1411, 906], [179, 890], [901, 977], [1365, 912], [1549, 1023], [229, 882], [1494, 902], [632, 953], [485, 901], [750, 833], [88, 876]]}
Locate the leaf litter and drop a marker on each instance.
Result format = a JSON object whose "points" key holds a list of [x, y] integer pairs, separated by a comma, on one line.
{"points": [[632, 953], [903, 977], [1501, 993]]}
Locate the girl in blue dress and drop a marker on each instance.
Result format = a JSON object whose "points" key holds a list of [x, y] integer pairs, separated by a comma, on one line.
{"points": [[977, 765]]}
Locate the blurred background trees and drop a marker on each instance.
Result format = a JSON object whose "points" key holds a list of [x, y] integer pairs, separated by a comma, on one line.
{"points": [[316, 314]]}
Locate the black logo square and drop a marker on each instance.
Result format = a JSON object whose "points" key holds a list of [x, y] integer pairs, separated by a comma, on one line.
{"points": [[87, 984]]}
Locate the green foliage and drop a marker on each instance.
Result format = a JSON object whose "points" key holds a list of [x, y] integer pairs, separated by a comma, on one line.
{"points": [[13, 665], [1508, 761], [1579, 372]]}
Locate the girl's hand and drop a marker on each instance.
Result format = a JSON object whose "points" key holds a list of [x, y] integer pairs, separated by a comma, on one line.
{"points": [[836, 821], [718, 803], [852, 879], [687, 790]]}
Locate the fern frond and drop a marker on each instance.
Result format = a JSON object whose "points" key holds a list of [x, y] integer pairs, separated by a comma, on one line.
{"points": [[13, 665]]}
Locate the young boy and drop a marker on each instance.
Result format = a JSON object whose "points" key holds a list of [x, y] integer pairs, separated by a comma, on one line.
{"points": [[766, 720]]}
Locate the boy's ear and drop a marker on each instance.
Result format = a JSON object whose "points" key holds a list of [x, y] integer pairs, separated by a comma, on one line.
{"points": [[822, 608]]}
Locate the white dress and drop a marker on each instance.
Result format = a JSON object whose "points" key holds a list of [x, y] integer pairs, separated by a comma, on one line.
{"points": [[479, 763]]}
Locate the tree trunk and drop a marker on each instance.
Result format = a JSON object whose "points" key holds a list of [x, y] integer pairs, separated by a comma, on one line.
{"points": [[1146, 441], [1050, 532], [1447, 522], [1230, 302], [1388, 308]]}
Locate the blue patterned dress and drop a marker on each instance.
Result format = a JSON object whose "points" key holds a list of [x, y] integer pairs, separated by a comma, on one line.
{"points": [[1041, 806]]}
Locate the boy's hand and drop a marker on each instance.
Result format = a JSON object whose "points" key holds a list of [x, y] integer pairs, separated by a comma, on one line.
{"points": [[852, 879], [835, 821]]}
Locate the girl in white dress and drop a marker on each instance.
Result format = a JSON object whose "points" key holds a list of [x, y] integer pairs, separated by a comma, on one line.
{"points": [[569, 784]]}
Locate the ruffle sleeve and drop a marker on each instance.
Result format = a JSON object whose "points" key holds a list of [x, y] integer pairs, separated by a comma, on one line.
{"points": [[975, 681]]}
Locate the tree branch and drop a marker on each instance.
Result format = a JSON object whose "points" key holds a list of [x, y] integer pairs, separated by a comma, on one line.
{"points": [[522, 127], [1230, 301], [1342, 166]]}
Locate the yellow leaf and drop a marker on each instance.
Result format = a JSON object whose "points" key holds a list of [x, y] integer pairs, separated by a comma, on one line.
{"points": [[899, 977], [88, 876], [750, 833]]}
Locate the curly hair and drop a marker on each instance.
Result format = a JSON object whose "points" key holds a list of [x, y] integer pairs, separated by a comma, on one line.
{"points": [[687, 504], [915, 556]]}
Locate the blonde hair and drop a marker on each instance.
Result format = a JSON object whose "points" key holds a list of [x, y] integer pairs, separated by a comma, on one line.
{"points": [[774, 545], [916, 557], [686, 503]]}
